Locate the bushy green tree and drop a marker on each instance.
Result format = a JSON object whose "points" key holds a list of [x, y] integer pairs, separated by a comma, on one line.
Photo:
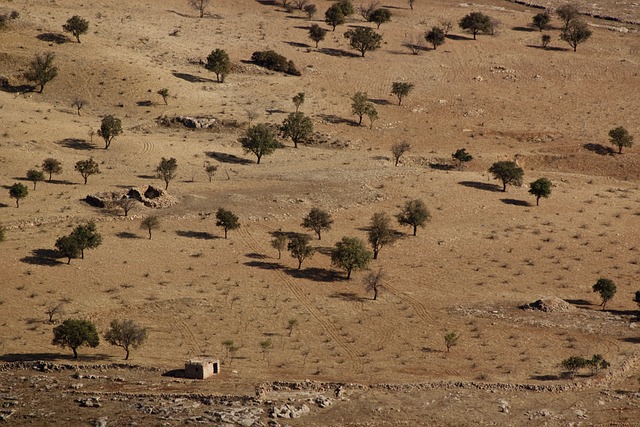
{"points": [[279, 243], [606, 288], [351, 254], [126, 334], [219, 63], [317, 34], [166, 170], [576, 32], [398, 149], [298, 100], [299, 247], [360, 105], [310, 10], [508, 172], [363, 39], [35, 176], [298, 127], [76, 26], [451, 340], [86, 168], [334, 16], [415, 214], [74, 333], [541, 20], [620, 137], [380, 16], [68, 247], [18, 191], [41, 70], [380, 232], [401, 90], [87, 237], [436, 36], [227, 220], [110, 127], [477, 22], [541, 187], [52, 166], [259, 140], [461, 156], [317, 220]]}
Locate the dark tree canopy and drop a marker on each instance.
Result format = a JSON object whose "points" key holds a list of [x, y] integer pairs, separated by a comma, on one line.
{"points": [[298, 127], [166, 170], [300, 248], [606, 288], [380, 232], [317, 34], [541, 187], [567, 13], [41, 70], [219, 63], [35, 176], [110, 127], [414, 214], [477, 22], [51, 166], [317, 220], [87, 237], [576, 32], [126, 334], [380, 16], [401, 90], [227, 220], [74, 333], [361, 105], [398, 149], [351, 254], [461, 156], [334, 16], [298, 100], [620, 137], [18, 191], [363, 39], [541, 20], [76, 26], [436, 36], [86, 168], [164, 93], [310, 10], [508, 172], [259, 140], [68, 247]]}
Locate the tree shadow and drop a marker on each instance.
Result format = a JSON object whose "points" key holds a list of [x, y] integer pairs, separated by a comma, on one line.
{"points": [[380, 158], [458, 37], [524, 29], [315, 274], [550, 48], [324, 250], [35, 357], [255, 255], [145, 103], [481, 186], [515, 202], [76, 144], [349, 297], [56, 38], [3, 205], [265, 265], [202, 235], [338, 52], [430, 350], [228, 158], [127, 235], [145, 176], [578, 302], [191, 78], [441, 166], [380, 101], [297, 44], [267, 2], [5, 86], [599, 149], [336, 120], [46, 257], [548, 377], [631, 340]]}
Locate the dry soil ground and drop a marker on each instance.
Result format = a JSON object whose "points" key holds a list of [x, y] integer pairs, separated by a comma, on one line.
{"points": [[483, 254]]}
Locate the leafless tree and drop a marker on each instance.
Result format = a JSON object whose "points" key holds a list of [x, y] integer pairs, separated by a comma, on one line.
{"points": [[78, 103], [127, 204], [415, 44], [367, 10], [200, 6], [374, 282], [53, 309]]}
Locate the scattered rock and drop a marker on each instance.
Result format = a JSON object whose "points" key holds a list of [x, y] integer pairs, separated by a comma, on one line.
{"points": [[323, 402], [503, 406], [100, 422], [91, 402]]}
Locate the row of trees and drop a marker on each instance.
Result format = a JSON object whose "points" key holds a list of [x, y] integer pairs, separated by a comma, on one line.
{"points": [[574, 29]]}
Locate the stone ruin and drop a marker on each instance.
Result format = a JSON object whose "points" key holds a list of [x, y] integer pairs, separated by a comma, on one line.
{"points": [[549, 305], [201, 368], [148, 195]]}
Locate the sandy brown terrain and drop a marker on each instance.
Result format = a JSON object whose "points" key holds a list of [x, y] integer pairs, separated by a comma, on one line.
{"points": [[483, 254]]}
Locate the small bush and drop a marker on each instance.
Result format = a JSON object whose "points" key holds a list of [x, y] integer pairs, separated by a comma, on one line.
{"points": [[275, 62]]}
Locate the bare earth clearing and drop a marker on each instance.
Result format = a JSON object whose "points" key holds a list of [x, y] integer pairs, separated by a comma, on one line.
{"points": [[483, 254]]}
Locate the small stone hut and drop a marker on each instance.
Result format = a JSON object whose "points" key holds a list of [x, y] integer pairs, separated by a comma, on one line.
{"points": [[201, 368]]}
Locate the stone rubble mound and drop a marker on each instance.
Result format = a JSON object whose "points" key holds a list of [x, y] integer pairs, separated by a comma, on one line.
{"points": [[151, 197], [549, 305]]}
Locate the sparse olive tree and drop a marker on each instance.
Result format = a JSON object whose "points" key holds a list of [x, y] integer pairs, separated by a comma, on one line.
{"points": [[374, 281], [351, 254], [545, 39], [298, 100], [74, 333], [41, 70], [620, 137], [78, 104], [363, 39], [436, 36], [18, 191], [576, 32], [477, 22], [164, 93], [401, 90], [68, 247], [372, 114], [166, 170], [227, 220], [35, 176], [415, 214], [334, 16], [541, 20], [127, 203], [150, 223], [110, 127], [51, 166], [380, 232], [219, 63], [317, 220], [298, 127], [541, 187], [291, 324], [398, 149], [76, 26], [567, 13], [86, 168], [299, 247], [360, 105], [210, 170], [368, 9], [451, 340], [606, 288], [508, 172], [126, 334], [279, 243], [86, 236], [317, 34], [55, 309], [461, 156], [200, 6], [259, 140], [380, 16], [310, 10]]}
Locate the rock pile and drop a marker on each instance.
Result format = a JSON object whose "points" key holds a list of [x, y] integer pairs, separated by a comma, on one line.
{"points": [[148, 195], [549, 305]]}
